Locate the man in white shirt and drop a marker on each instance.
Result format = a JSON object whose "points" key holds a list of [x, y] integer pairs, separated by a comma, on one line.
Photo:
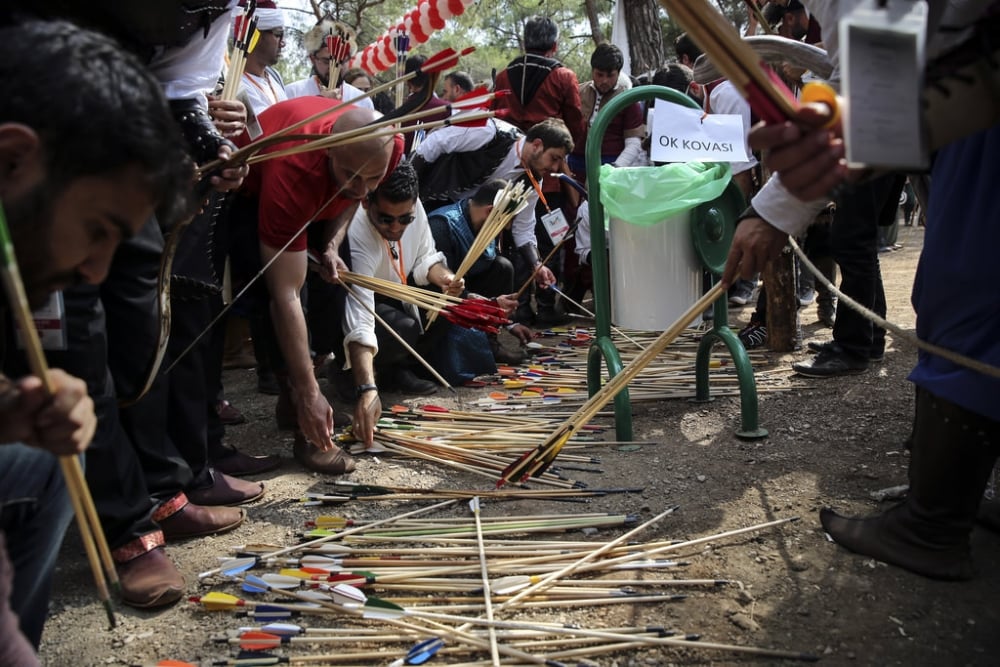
{"points": [[262, 83], [454, 161], [389, 238]]}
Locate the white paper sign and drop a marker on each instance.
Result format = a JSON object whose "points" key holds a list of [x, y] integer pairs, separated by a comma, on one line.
{"points": [[882, 57], [682, 134]]}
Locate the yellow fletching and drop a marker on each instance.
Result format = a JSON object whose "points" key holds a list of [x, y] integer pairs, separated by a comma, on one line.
{"points": [[215, 601]]}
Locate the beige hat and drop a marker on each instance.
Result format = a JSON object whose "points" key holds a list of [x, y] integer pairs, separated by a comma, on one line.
{"points": [[315, 39]]}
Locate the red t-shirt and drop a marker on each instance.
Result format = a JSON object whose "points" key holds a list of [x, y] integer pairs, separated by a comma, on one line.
{"points": [[292, 189]]}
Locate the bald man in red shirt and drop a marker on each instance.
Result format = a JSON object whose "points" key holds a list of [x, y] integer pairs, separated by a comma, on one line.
{"points": [[317, 190]]}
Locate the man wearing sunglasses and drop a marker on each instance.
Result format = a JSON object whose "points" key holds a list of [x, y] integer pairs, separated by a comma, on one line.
{"points": [[262, 83], [389, 238]]}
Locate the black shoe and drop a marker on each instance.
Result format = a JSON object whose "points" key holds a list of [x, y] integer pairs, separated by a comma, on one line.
{"points": [[753, 335], [831, 361], [267, 383], [406, 382], [875, 355]]}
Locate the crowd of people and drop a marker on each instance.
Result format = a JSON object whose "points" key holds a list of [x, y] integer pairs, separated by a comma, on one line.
{"points": [[93, 213]]}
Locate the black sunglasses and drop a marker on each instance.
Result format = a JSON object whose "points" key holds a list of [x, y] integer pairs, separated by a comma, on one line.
{"points": [[386, 220]]}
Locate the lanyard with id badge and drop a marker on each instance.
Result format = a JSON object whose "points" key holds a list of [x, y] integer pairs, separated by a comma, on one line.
{"points": [[554, 221], [882, 64], [50, 321]]}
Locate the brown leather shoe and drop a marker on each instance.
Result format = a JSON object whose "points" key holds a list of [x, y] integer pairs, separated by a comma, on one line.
{"points": [[226, 490], [332, 462], [237, 464], [197, 520], [150, 580], [228, 414]]}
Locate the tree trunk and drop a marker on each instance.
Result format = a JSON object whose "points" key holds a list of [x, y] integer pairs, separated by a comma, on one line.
{"points": [[645, 40], [782, 304], [590, 6]]}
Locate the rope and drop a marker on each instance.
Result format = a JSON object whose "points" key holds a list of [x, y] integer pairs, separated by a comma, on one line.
{"points": [[906, 336]]}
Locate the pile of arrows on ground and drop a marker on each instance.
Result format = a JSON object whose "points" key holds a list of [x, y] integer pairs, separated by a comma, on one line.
{"points": [[417, 586], [527, 404], [557, 372]]}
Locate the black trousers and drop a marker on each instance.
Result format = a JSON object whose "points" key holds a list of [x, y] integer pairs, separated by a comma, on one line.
{"points": [[498, 279], [854, 241], [132, 463]]}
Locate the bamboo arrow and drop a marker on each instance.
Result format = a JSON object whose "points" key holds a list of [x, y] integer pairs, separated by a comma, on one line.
{"points": [[342, 534], [381, 609], [484, 571], [534, 463]]}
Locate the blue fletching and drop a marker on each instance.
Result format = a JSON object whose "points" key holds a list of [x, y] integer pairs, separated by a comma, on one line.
{"points": [[424, 651], [254, 584]]}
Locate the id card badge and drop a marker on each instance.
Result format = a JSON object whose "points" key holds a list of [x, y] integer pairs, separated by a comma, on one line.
{"points": [[882, 64], [50, 321], [555, 224]]}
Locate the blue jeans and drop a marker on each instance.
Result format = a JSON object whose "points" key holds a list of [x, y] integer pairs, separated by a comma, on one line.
{"points": [[34, 514]]}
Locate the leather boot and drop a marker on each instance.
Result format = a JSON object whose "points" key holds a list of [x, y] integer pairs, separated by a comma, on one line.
{"points": [[284, 409], [148, 578], [954, 451], [334, 461], [180, 519]]}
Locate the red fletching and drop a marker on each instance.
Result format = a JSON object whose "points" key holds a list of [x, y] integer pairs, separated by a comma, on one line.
{"points": [[440, 61], [481, 91], [764, 106], [517, 466], [256, 640]]}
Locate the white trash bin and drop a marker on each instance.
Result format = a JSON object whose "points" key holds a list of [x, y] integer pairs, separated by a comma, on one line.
{"points": [[655, 273]]}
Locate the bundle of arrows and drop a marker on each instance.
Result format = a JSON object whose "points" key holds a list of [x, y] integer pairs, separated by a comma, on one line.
{"points": [[454, 590], [483, 314]]}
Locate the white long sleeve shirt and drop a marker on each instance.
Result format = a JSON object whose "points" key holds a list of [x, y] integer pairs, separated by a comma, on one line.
{"points": [[371, 256], [451, 139]]}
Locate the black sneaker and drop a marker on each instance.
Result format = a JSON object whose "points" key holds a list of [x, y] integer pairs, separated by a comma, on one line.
{"points": [[831, 361], [875, 355], [753, 335]]}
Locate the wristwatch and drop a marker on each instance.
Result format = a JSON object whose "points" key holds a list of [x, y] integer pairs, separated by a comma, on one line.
{"points": [[362, 388]]}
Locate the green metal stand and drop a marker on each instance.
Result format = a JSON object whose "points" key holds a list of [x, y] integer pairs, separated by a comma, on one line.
{"points": [[712, 231]]}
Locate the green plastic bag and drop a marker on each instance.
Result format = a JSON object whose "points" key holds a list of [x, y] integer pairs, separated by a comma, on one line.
{"points": [[648, 195]]}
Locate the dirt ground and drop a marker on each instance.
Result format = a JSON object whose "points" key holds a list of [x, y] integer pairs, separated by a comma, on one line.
{"points": [[832, 443]]}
